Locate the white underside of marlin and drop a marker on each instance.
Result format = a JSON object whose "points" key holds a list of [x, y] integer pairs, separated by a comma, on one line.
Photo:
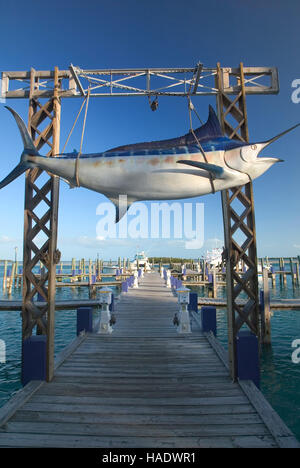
{"points": [[163, 170]]}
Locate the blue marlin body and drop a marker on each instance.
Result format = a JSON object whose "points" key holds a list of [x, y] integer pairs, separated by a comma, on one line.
{"points": [[198, 163]]}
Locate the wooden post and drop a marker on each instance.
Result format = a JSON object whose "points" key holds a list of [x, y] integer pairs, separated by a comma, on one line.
{"points": [[235, 222], [266, 309], [37, 192], [53, 256], [214, 283], [283, 269], [73, 266], [4, 274], [16, 274], [292, 272], [11, 282], [297, 270], [90, 271]]}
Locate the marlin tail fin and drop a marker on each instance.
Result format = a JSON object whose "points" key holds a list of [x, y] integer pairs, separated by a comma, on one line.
{"points": [[29, 150]]}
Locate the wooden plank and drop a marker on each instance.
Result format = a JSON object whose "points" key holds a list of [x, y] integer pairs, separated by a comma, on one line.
{"points": [[64, 415], [18, 400], [94, 405], [129, 430], [63, 390], [88, 441], [151, 388], [68, 350], [281, 433]]}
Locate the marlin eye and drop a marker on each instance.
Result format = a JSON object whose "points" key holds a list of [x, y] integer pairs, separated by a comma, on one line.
{"points": [[248, 153]]}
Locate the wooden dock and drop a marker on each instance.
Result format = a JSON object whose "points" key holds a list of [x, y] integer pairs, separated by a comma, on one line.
{"points": [[144, 385], [16, 305]]}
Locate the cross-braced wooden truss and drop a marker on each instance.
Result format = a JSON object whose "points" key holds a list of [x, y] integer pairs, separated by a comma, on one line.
{"points": [[40, 221], [239, 227], [41, 197], [197, 81]]}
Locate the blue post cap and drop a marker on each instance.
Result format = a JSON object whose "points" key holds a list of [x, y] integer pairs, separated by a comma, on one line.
{"points": [[34, 359], [84, 320], [248, 357], [209, 319], [193, 304]]}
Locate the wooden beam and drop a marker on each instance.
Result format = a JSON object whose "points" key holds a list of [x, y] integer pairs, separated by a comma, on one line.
{"points": [[205, 75], [234, 223], [53, 237], [48, 193]]}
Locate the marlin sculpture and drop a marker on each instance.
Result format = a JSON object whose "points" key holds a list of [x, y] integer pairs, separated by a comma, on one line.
{"points": [[201, 162]]}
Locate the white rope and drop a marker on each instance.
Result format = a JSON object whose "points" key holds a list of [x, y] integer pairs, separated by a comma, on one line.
{"points": [[71, 131], [81, 142], [191, 107]]}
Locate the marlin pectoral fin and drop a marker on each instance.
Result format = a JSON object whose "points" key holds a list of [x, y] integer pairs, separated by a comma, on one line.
{"points": [[217, 172]]}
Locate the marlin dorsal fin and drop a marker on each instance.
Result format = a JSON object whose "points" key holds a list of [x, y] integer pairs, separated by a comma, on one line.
{"points": [[210, 130]]}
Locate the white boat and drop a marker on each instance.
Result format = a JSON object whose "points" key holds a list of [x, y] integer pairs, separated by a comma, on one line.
{"points": [[111, 269], [140, 261], [214, 256]]}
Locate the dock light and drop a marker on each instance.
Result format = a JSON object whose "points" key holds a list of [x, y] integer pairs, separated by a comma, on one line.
{"points": [[168, 279], [183, 295], [136, 279], [105, 320]]}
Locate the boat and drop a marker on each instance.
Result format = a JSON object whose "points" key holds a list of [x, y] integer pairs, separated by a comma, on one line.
{"points": [[140, 261], [214, 257], [111, 269]]}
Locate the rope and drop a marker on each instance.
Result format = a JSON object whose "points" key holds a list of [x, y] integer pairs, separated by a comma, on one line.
{"points": [[191, 107], [81, 142], [71, 131]]}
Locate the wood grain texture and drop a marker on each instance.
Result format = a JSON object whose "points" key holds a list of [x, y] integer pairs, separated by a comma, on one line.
{"points": [[144, 385]]}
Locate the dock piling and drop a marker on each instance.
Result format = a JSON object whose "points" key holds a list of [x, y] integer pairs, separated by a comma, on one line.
{"points": [[84, 320], [34, 359], [266, 309], [209, 319], [247, 357]]}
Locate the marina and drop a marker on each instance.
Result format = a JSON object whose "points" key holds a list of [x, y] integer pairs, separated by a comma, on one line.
{"points": [[165, 389], [197, 273]]}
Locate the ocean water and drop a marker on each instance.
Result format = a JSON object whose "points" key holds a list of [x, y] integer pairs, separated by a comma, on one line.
{"points": [[280, 377], [11, 333]]}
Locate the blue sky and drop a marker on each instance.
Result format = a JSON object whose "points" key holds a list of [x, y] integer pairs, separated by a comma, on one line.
{"points": [[164, 33]]}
